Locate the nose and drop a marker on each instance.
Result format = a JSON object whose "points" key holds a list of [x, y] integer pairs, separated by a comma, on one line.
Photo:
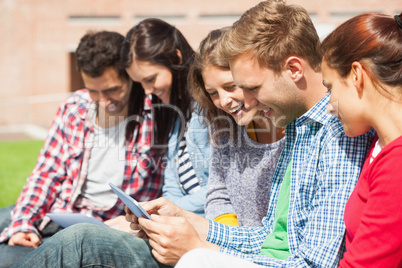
{"points": [[103, 100], [225, 99], [149, 89], [332, 107], [249, 100]]}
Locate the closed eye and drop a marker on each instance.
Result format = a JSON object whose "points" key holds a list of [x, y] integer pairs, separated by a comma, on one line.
{"points": [[251, 88], [214, 93], [230, 87], [150, 80], [328, 86]]}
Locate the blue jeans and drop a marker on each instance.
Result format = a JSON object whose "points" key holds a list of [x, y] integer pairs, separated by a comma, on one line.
{"points": [[12, 254], [88, 245], [5, 217]]}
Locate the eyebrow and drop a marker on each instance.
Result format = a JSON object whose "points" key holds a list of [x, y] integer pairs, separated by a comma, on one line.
{"points": [[248, 87], [229, 83], [106, 89]]}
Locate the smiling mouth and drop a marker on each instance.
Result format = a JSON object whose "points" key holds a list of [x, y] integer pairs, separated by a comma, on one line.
{"points": [[159, 93], [237, 109], [267, 112], [111, 107]]}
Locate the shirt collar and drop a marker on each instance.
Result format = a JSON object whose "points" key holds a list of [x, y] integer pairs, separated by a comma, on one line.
{"points": [[148, 102], [318, 113]]}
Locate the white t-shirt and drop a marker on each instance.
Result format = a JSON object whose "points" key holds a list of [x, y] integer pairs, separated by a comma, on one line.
{"points": [[106, 164]]}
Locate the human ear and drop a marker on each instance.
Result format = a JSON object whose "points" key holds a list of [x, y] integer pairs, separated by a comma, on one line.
{"points": [[179, 55], [356, 73], [294, 67]]}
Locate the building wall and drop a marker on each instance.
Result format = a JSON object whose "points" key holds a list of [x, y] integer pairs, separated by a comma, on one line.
{"points": [[38, 37]]}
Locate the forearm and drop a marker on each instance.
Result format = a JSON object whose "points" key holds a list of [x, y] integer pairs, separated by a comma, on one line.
{"points": [[200, 224]]}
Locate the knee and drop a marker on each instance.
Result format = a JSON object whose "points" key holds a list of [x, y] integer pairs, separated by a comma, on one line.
{"points": [[77, 233], [195, 257]]}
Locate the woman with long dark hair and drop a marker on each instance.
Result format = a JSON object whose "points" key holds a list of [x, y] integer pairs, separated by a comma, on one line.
{"points": [[157, 57]]}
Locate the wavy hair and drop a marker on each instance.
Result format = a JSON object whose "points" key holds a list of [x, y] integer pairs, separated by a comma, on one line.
{"points": [[206, 55]]}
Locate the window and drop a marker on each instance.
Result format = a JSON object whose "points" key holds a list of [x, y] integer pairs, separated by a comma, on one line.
{"points": [[75, 76]]}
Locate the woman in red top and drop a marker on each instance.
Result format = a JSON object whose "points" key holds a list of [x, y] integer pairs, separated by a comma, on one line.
{"points": [[362, 69]]}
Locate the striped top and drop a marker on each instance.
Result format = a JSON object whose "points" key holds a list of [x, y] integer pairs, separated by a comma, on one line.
{"points": [[187, 178]]}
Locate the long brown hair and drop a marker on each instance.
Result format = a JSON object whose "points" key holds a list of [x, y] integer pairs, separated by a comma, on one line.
{"points": [[218, 120]]}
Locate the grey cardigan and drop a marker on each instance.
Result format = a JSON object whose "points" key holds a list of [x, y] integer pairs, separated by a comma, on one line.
{"points": [[240, 178]]}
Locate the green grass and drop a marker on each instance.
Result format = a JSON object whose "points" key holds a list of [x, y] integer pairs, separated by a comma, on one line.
{"points": [[17, 160]]}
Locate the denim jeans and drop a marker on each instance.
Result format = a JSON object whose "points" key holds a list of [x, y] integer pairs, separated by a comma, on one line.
{"points": [[88, 245], [5, 217], [11, 254]]}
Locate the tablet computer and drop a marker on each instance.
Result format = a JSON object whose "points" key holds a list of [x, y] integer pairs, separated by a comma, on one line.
{"points": [[67, 219], [130, 202]]}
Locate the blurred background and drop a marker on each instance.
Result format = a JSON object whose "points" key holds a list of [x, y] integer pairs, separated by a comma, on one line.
{"points": [[37, 61]]}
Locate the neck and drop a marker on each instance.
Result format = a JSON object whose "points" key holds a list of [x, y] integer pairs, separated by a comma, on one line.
{"points": [[388, 122], [382, 112], [266, 132], [107, 120], [315, 90]]}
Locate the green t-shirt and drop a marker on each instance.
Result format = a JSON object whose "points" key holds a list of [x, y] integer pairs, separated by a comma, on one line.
{"points": [[276, 244]]}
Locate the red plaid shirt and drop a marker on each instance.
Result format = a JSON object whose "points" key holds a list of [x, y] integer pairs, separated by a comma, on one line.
{"points": [[62, 166]]}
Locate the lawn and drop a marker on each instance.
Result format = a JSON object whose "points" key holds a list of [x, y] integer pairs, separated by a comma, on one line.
{"points": [[17, 159]]}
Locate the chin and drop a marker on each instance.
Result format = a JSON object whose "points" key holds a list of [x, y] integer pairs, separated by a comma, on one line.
{"points": [[350, 133], [243, 121]]}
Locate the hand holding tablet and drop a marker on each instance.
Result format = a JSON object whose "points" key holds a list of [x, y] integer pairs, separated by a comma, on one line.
{"points": [[130, 202]]}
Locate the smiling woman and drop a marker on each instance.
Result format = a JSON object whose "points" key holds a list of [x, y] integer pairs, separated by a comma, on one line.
{"points": [[157, 58], [244, 139], [155, 79]]}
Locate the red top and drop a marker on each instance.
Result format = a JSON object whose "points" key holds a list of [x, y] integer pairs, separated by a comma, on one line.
{"points": [[373, 214]]}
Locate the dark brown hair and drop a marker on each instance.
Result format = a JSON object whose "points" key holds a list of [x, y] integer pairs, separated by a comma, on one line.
{"points": [[156, 41], [375, 40], [98, 51]]}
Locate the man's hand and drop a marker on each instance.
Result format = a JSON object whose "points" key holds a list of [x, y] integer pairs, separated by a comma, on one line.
{"points": [[120, 223], [25, 239], [160, 206], [172, 237]]}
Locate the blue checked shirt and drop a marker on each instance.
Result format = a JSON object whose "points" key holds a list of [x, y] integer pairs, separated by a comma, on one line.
{"points": [[325, 167]]}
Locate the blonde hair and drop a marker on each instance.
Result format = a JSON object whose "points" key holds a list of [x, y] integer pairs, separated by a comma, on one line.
{"points": [[270, 32]]}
